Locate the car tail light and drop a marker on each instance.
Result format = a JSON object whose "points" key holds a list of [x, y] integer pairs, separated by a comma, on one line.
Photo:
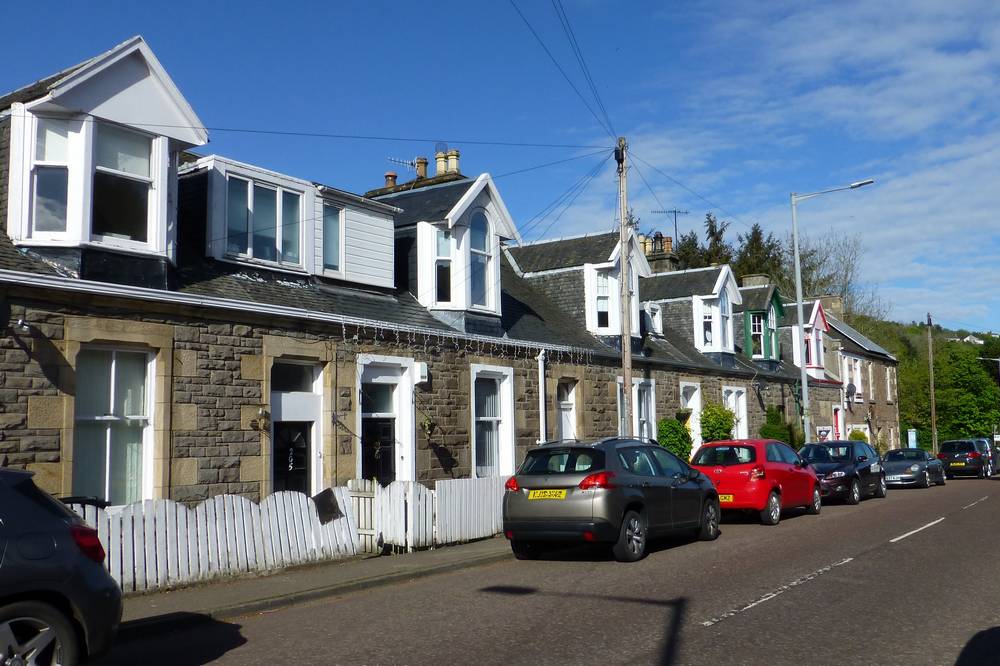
{"points": [[512, 486], [941, 456], [509, 534], [598, 480], [589, 536], [975, 454], [87, 540], [757, 472]]}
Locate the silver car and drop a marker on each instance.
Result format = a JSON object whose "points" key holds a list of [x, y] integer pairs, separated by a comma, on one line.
{"points": [[912, 467], [615, 491]]}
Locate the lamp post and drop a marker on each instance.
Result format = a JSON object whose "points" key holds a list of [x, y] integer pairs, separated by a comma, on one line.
{"points": [[803, 375]]}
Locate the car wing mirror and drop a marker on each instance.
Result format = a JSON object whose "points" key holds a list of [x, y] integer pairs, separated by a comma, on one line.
{"points": [[862, 458]]}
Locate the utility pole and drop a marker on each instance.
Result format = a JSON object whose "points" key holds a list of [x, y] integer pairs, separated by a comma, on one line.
{"points": [[624, 280], [675, 214], [930, 360]]}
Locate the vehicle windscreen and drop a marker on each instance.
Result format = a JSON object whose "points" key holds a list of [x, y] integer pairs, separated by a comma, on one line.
{"points": [[904, 455], [563, 461], [957, 447], [724, 455], [840, 454], [816, 454]]}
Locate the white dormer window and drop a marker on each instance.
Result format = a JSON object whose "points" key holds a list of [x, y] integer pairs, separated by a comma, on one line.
{"points": [[123, 183], [772, 327], [263, 221], [442, 267], [725, 317], [707, 326], [603, 304], [50, 178], [654, 316], [756, 335], [480, 259]]}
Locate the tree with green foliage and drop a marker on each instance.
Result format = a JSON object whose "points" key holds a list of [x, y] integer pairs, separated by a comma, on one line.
{"points": [[775, 427], [758, 254], [689, 252], [718, 251], [716, 422], [674, 436]]}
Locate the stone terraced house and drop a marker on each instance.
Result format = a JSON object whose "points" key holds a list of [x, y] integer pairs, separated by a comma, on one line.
{"points": [[180, 325]]}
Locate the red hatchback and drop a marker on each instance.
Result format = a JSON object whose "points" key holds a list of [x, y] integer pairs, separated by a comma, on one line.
{"points": [[759, 475]]}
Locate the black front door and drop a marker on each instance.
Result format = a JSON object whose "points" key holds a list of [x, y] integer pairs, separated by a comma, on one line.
{"points": [[291, 456], [378, 450]]}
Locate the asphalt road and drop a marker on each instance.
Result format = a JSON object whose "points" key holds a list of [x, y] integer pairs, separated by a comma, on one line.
{"points": [[851, 585]]}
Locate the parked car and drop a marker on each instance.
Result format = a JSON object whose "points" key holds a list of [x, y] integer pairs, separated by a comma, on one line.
{"points": [[765, 476], [964, 457], [912, 467], [616, 491], [991, 452], [58, 605], [848, 470]]}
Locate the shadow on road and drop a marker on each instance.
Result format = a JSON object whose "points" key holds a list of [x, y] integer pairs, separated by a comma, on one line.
{"points": [[201, 641], [574, 552], [983, 648], [676, 607]]}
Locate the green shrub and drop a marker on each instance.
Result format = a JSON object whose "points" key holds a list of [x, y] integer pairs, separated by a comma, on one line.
{"points": [[674, 436], [775, 427], [716, 423], [857, 436]]}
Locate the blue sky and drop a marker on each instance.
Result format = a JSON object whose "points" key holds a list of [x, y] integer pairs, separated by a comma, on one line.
{"points": [[734, 104]]}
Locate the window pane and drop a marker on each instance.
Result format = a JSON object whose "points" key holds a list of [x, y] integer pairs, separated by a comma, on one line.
{"points": [[122, 150], [444, 282], [480, 228], [52, 139], [377, 398], [291, 377], [126, 464], [130, 384], [443, 243], [331, 237], [93, 383], [238, 216], [51, 184], [265, 221], [290, 227], [479, 266], [487, 398], [120, 207], [89, 457], [487, 448]]}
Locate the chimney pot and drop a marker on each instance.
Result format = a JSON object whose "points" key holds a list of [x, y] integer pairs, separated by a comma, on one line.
{"points": [[453, 156], [390, 179], [421, 167], [440, 163]]}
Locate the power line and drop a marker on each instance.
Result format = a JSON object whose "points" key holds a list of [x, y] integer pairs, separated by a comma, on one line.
{"points": [[590, 176], [561, 70], [578, 52], [534, 221], [548, 164]]}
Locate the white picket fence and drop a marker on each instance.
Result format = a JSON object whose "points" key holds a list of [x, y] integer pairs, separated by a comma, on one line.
{"points": [[408, 515], [159, 544]]}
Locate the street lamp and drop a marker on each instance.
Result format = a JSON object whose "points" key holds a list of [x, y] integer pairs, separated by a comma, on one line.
{"points": [[804, 376]]}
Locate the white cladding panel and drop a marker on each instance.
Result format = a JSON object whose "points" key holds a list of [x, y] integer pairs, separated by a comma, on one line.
{"points": [[368, 245]]}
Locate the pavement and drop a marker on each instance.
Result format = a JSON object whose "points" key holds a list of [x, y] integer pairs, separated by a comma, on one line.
{"points": [[250, 594], [909, 579]]}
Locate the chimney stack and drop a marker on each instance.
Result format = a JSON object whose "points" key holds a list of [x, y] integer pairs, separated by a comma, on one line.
{"points": [[421, 167], [755, 280], [390, 179], [834, 305], [440, 163], [453, 155], [659, 253]]}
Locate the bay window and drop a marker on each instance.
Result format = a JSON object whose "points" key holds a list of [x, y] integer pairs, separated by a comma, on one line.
{"points": [[122, 183], [480, 258], [263, 222], [442, 266], [112, 422], [50, 176]]}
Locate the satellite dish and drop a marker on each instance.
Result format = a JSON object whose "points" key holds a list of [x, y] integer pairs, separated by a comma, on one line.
{"points": [[851, 390], [440, 147]]}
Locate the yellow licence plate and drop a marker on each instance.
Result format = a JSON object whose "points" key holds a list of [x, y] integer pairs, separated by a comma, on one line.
{"points": [[958, 464], [547, 494], [725, 498]]}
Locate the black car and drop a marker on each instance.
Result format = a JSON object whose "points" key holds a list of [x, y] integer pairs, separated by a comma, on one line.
{"points": [[985, 444], [965, 457], [58, 605], [847, 470]]}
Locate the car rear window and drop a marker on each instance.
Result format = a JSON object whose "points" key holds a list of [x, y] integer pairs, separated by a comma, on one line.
{"points": [[915, 454], [957, 447], [724, 455], [563, 461], [27, 489]]}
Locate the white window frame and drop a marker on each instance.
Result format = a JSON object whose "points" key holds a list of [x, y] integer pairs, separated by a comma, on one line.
{"points": [[739, 408], [147, 180], [279, 192], [757, 322], [506, 445], [36, 162], [567, 407], [146, 483], [341, 225], [602, 294], [871, 381], [302, 406], [694, 420], [490, 253], [401, 371], [772, 325], [709, 311], [655, 313], [725, 321], [650, 386], [890, 373], [441, 259]]}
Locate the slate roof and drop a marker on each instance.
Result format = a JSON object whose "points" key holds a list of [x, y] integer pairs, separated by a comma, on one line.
{"points": [[565, 253], [755, 298], [791, 316], [857, 338], [678, 284], [13, 258], [429, 204]]}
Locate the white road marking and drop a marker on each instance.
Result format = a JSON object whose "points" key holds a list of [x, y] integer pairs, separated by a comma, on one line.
{"points": [[969, 506], [774, 593], [911, 533]]}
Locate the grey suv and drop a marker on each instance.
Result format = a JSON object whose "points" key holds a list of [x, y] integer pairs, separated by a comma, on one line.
{"points": [[58, 605], [615, 491]]}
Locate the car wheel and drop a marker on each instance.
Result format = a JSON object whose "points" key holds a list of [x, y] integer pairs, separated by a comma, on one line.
{"points": [[854, 494], [817, 503], [36, 633], [772, 510], [709, 530], [631, 544], [926, 481], [525, 550], [882, 489], [943, 479]]}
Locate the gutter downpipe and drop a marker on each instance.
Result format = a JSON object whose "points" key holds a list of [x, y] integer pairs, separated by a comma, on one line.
{"points": [[542, 426]]}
